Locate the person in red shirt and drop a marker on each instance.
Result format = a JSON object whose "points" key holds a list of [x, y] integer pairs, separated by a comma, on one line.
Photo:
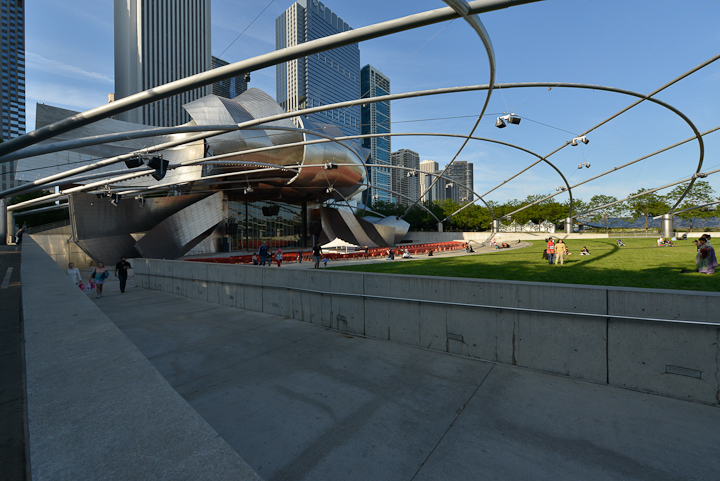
{"points": [[551, 251]]}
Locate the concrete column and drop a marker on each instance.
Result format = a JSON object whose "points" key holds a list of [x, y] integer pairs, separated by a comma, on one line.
{"points": [[3, 222], [569, 224], [666, 226], [440, 227], [496, 226]]}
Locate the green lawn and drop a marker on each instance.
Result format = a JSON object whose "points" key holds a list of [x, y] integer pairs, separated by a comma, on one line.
{"points": [[640, 264]]}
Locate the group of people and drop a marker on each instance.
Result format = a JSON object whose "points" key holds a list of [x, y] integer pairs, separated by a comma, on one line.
{"points": [[705, 259], [265, 256], [98, 276], [556, 251], [662, 242]]}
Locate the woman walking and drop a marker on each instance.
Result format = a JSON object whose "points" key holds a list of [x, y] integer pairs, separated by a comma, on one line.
{"points": [[99, 274]]}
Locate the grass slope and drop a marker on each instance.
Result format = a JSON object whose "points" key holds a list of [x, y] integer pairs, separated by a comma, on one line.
{"points": [[640, 264]]}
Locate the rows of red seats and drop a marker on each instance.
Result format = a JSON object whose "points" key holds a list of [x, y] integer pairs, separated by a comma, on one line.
{"points": [[375, 252]]}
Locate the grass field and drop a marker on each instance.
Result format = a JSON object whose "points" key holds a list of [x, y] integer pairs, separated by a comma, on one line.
{"points": [[639, 264]]}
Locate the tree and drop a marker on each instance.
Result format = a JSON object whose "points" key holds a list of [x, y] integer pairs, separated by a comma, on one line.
{"points": [[701, 193], [605, 213], [647, 206]]}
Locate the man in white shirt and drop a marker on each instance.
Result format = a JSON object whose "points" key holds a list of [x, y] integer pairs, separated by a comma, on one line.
{"points": [[73, 273]]}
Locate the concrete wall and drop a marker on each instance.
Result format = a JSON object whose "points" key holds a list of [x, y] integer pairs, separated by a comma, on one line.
{"points": [[430, 237], [63, 251], [96, 407], [627, 353]]}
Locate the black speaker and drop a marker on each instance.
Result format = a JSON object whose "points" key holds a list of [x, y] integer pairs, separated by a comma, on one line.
{"points": [[134, 162], [160, 165]]}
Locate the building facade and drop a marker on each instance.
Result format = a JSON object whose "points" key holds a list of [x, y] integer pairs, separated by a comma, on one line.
{"points": [[231, 87], [157, 42], [12, 102], [375, 119], [461, 173], [437, 192], [406, 182], [320, 79]]}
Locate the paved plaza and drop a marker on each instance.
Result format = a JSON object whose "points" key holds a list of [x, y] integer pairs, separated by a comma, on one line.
{"points": [[300, 402]]}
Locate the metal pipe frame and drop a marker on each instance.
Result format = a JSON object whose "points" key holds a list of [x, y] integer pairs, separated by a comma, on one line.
{"points": [[462, 8], [249, 65], [614, 169], [690, 209], [694, 176]]}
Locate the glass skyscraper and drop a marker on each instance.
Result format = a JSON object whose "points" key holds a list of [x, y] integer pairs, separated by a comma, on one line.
{"points": [[376, 120], [461, 172], [12, 104], [230, 87], [323, 78]]}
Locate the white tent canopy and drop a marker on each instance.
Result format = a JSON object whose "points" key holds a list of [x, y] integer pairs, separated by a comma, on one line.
{"points": [[338, 243]]}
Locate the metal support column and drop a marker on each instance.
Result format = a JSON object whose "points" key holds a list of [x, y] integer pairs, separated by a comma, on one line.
{"points": [[667, 229], [304, 227], [3, 222], [440, 226], [569, 225], [247, 226], [496, 226]]}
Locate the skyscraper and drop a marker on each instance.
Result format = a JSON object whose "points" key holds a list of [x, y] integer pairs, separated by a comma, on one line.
{"points": [[323, 78], [157, 42], [461, 172], [230, 87], [406, 182], [376, 120], [12, 102], [437, 192]]}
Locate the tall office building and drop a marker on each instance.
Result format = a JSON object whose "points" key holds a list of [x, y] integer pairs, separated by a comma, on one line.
{"points": [[376, 120], [156, 42], [437, 192], [12, 102], [461, 172], [320, 79], [230, 87], [403, 181]]}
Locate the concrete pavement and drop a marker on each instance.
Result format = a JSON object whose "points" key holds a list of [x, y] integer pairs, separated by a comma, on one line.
{"points": [[299, 402]]}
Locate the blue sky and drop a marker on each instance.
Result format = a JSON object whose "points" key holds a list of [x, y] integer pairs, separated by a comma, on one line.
{"points": [[637, 45]]}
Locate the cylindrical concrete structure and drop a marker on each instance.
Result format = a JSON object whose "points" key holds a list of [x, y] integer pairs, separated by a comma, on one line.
{"points": [[496, 226], [569, 225], [666, 226], [440, 226]]}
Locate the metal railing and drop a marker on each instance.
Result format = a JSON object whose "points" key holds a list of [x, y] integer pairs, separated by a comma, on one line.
{"points": [[45, 227]]}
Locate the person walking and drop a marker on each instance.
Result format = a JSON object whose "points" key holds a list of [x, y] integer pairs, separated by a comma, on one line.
{"points": [[551, 251], [317, 252], [278, 256], [99, 274], [263, 253], [300, 257], [121, 272], [74, 274], [19, 234], [560, 252]]}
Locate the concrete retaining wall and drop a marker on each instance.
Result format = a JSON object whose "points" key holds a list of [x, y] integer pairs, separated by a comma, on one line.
{"points": [[429, 237], [62, 250], [96, 407], [627, 353]]}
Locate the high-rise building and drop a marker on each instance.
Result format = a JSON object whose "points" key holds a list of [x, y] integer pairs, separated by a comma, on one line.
{"points": [[12, 102], [323, 78], [406, 182], [156, 42], [376, 120], [230, 87], [461, 172], [437, 192]]}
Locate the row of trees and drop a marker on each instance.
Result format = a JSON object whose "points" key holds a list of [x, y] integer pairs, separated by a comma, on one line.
{"points": [[477, 217]]}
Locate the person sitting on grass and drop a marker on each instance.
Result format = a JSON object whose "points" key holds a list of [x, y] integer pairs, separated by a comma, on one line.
{"points": [[705, 259], [505, 245], [660, 242], [620, 243], [584, 251], [406, 254]]}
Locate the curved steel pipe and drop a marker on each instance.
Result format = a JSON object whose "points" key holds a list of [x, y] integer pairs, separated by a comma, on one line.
{"points": [[246, 66], [463, 9]]}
